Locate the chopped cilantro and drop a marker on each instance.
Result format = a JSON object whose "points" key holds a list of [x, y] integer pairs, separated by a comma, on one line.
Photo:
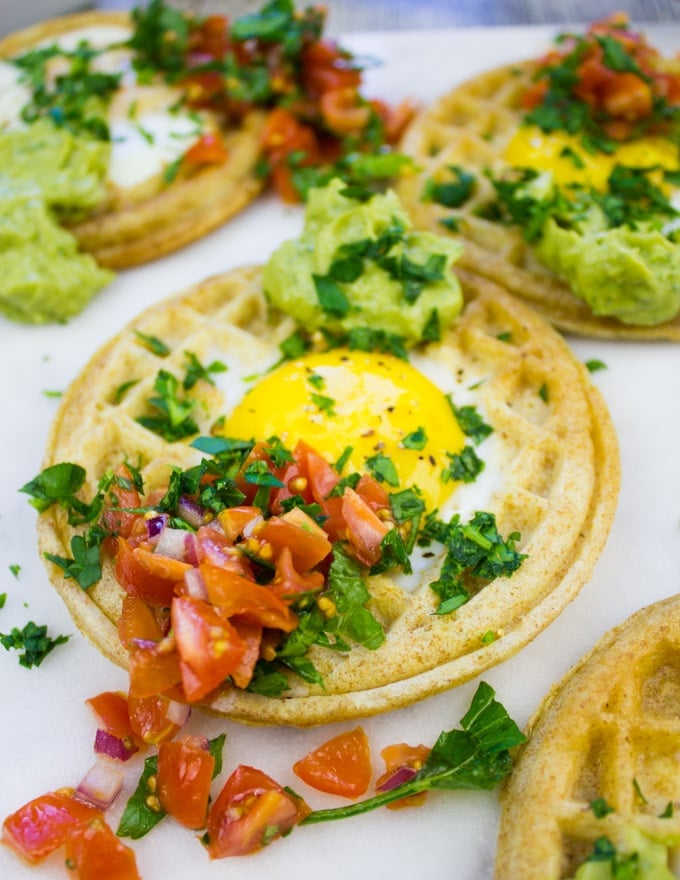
{"points": [[594, 365], [543, 393], [600, 808], [471, 422], [452, 194], [431, 330], [32, 642], [415, 440], [325, 404], [465, 466], [153, 344], [3, 599], [489, 637], [331, 297], [122, 390], [477, 756], [85, 567], [15, 569], [195, 370], [473, 550], [383, 469], [344, 458], [174, 421]]}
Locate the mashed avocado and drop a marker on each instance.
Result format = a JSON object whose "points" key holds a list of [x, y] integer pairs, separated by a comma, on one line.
{"points": [[358, 264], [637, 857], [633, 275], [46, 175]]}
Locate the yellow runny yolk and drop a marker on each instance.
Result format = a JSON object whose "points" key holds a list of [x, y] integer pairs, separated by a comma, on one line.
{"points": [[565, 156], [377, 404]]}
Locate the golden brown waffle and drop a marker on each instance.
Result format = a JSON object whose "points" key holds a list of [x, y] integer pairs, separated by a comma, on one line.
{"points": [[131, 227], [470, 127], [611, 730], [558, 479]]}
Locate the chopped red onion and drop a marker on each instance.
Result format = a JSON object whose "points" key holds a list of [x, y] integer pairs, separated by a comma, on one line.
{"points": [[171, 543], [194, 584], [106, 743], [252, 525], [177, 712], [191, 549], [399, 777], [156, 524], [100, 786], [190, 511]]}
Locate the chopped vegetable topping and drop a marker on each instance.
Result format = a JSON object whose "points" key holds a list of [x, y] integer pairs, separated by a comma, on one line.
{"points": [[32, 642]]}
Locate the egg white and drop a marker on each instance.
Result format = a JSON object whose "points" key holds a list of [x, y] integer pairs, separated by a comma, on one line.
{"points": [[149, 131]]}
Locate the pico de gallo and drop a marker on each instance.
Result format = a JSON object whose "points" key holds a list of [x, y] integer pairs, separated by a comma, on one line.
{"points": [[319, 124], [251, 810]]}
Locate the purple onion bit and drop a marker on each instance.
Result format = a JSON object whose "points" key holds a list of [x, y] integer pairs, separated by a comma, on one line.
{"points": [[106, 743]]}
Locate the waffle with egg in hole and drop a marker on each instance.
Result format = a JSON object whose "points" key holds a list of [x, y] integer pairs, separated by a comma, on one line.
{"points": [[601, 758], [149, 215], [470, 128], [551, 466]]}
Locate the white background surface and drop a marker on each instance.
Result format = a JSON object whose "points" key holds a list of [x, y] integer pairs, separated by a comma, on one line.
{"points": [[46, 731]]}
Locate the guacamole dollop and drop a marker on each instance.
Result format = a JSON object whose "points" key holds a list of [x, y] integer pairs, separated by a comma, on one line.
{"points": [[358, 263], [47, 175], [630, 274], [643, 858]]}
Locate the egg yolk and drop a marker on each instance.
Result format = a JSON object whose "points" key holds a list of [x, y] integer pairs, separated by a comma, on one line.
{"points": [[377, 404], [564, 155]]}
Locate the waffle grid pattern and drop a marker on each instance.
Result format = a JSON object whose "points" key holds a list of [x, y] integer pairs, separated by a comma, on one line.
{"points": [[610, 729], [558, 456], [470, 127]]}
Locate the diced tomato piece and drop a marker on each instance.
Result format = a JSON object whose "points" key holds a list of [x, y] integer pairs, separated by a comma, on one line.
{"points": [[340, 766], [365, 530], [284, 134], [209, 646], [137, 621], [122, 494], [149, 718], [209, 149], [287, 582], [397, 757], [185, 770], [307, 542], [145, 579], [94, 852], [251, 636], [234, 520], [627, 96], [325, 67], [250, 812], [113, 713], [373, 492], [344, 111], [237, 596], [41, 826], [153, 667], [211, 36]]}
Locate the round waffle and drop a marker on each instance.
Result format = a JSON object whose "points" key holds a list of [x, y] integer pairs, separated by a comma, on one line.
{"points": [[136, 225], [557, 484], [609, 730], [470, 127]]}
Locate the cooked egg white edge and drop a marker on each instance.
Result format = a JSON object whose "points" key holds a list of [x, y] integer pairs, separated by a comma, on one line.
{"points": [[143, 143]]}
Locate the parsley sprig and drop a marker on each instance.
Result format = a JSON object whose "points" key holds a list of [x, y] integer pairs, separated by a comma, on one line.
{"points": [[32, 642]]}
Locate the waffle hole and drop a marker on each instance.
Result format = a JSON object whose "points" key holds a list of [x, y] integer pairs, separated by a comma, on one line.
{"points": [[661, 690]]}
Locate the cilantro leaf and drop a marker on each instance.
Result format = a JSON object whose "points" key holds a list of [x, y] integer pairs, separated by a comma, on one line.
{"points": [[452, 194], [85, 567], [143, 810], [57, 483], [331, 297], [476, 756], [471, 423], [383, 469], [465, 466], [195, 370], [473, 550], [174, 421], [347, 590]]}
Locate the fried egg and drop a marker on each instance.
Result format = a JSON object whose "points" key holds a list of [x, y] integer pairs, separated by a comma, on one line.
{"points": [[366, 405], [564, 155], [149, 129]]}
